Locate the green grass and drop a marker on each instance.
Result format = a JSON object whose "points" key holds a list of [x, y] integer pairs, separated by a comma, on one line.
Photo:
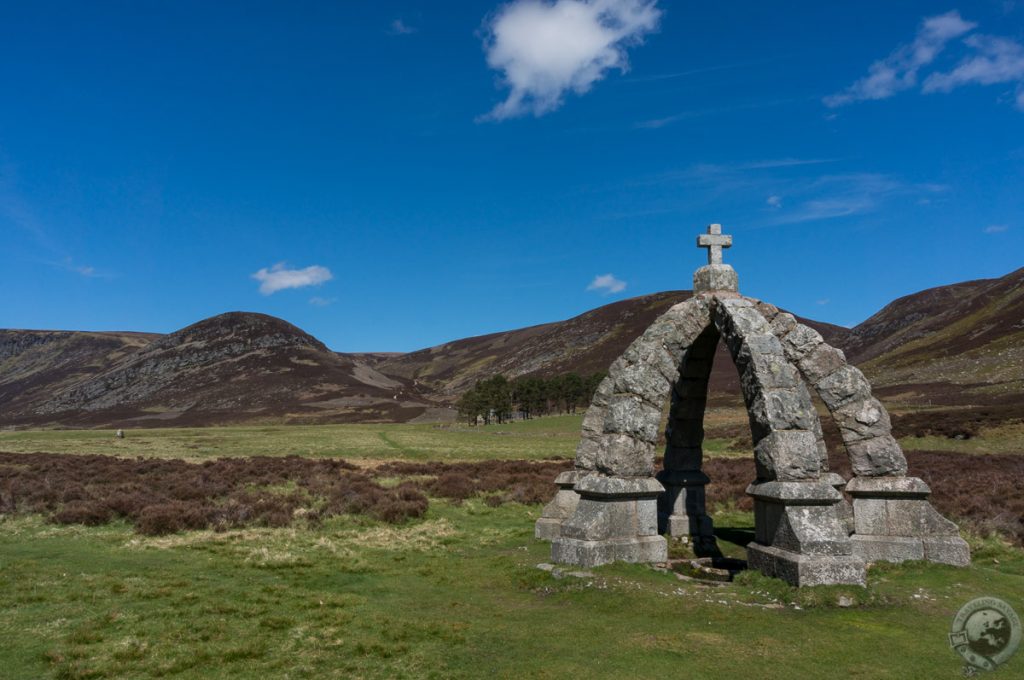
{"points": [[531, 439], [1007, 438], [455, 595]]}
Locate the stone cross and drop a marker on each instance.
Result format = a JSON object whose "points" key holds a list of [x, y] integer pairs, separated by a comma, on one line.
{"points": [[714, 241]]}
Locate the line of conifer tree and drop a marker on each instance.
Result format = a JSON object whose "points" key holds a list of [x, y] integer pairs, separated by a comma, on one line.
{"points": [[497, 399]]}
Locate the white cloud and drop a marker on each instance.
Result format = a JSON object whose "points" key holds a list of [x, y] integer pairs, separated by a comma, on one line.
{"points": [[899, 70], [279, 277], [823, 301], [996, 60], [545, 49], [996, 228], [774, 201], [607, 284], [399, 27], [318, 301]]}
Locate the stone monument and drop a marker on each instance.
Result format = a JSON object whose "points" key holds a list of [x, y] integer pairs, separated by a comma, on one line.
{"points": [[613, 506]]}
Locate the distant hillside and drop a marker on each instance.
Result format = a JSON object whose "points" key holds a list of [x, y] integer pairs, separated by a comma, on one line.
{"points": [[584, 344], [230, 368], [962, 343], [951, 345], [36, 365]]}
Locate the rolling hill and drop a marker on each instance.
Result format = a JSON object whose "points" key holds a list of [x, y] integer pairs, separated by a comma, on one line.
{"points": [[951, 345]]}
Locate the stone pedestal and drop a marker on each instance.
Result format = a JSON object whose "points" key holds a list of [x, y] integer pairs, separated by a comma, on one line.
{"points": [[799, 537], [561, 507], [894, 521], [682, 508], [843, 508], [616, 519], [716, 278]]}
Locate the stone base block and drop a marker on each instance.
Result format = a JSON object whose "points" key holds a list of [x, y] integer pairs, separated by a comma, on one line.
{"points": [[715, 278], [947, 550], [806, 570], [887, 548], [689, 525], [548, 528], [561, 507], [585, 553], [895, 522]]}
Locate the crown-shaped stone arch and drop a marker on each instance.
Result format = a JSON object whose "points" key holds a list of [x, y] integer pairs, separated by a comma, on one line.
{"points": [[611, 506]]}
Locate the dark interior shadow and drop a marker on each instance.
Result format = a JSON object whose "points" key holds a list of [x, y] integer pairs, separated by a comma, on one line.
{"points": [[735, 535]]}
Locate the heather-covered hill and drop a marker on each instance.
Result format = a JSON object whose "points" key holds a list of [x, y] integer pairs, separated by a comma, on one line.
{"points": [[583, 344], [233, 367], [953, 345], [962, 343]]}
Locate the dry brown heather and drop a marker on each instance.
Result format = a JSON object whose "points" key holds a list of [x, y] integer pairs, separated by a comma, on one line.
{"points": [[165, 496]]}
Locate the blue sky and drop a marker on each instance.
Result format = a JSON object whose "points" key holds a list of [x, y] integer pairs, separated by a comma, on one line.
{"points": [[392, 175]]}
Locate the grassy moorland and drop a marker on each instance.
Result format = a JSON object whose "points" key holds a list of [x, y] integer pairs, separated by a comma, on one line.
{"points": [[533, 439], [450, 589]]}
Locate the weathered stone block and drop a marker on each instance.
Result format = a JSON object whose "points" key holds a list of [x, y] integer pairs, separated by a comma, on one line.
{"points": [[685, 433], [561, 507], [615, 519], [876, 457], [768, 310], [870, 516], [764, 370], [588, 451], [780, 409], [806, 570], [715, 277], [947, 550], [782, 324], [622, 454], [887, 548], [630, 414], [787, 455], [688, 407], [588, 554], [801, 340], [593, 420], [821, 361], [641, 379], [843, 386], [862, 420], [651, 354]]}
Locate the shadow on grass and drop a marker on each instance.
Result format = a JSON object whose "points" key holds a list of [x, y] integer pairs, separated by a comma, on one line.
{"points": [[736, 535]]}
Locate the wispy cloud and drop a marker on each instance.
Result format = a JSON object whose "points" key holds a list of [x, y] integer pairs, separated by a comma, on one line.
{"points": [[845, 195], [774, 201], [399, 27], [996, 60], [18, 213], [823, 301], [318, 301], [279, 277], [899, 70], [658, 123], [546, 49], [607, 284], [996, 228], [657, 77]]}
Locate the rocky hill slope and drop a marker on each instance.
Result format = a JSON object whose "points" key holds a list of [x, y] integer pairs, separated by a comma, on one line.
{"points": [[951, 345], [230, 368], [583, 344], [962, 343]]}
